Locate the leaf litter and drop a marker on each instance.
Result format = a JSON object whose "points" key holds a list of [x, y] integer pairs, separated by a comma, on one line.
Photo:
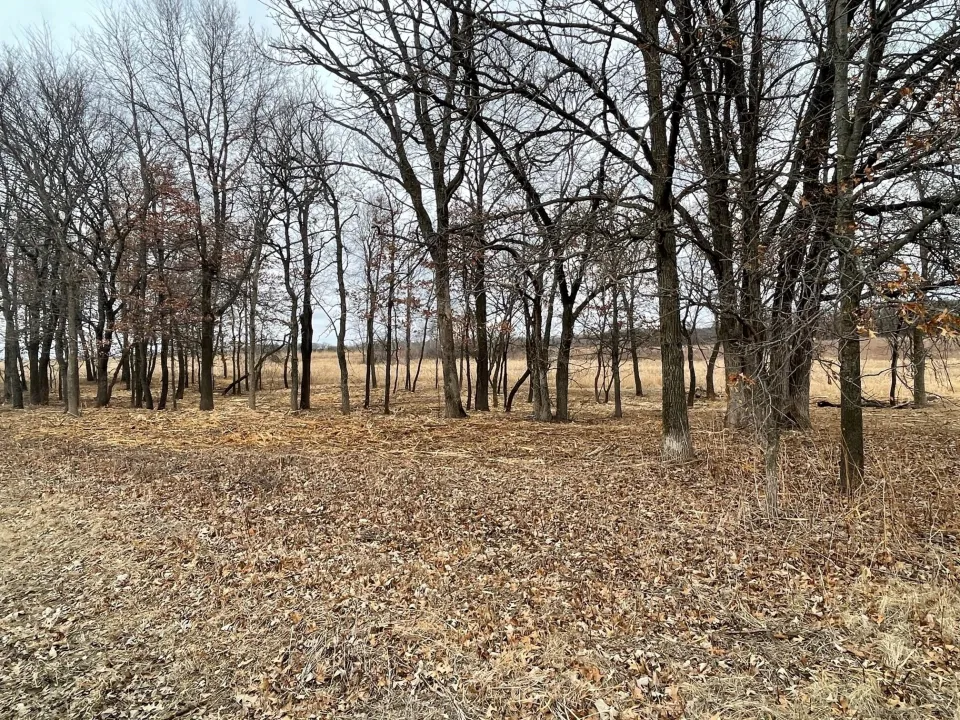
{"points": [[260, 564]]}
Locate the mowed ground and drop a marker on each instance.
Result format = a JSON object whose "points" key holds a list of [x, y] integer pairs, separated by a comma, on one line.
{"points": [[266, 563]]}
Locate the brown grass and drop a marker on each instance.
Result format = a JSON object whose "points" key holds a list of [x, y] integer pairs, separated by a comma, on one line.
{"points": [[273, 564]]}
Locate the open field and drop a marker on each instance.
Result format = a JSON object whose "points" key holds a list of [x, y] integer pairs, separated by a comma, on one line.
{"points": [[942, 372], [255, 564]]}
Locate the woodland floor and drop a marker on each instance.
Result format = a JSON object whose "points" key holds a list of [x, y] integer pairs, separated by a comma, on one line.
{"points": [[264, 564]]}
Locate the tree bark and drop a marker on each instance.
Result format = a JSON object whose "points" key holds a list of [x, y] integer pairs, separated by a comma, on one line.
{"points": [[918, 358], [306, 317], [563, 360], [453, 405], [11, 349], [482, 396], [207, 331], [342, 323], [294, 360], [252, 365], [615, 357], [851, 394], [391, 288], [72, 389], [164, 372], [711, 367], [676, 444]]}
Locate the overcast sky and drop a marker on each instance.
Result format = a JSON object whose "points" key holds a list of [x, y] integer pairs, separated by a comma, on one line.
{"points": [[60, 15], [66, 18]]}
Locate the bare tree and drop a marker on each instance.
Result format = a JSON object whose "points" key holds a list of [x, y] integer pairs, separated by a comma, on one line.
{"points": [[395, 61]]}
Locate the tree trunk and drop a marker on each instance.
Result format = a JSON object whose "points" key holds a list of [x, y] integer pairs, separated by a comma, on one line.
{"points": [[44, 369], [174, 375], [676, 445], [342, 324], [798, 383], [508, 401], [33, 360], [104, 343], [453, 406], [918, 353], [563, 360], [13, 384], [252, 366], [387, 384], [144, 375], [482, 397], [711, 367], [692, 369], [894, 363], [851, 393], [181, 371], [423, 347], [164, 372], [370, 379], [408, 333], [306, 353], [851, 282], [634, 345], [615, 357], [126, 361], [11, 353], [293, 326], [72, 390], [207, 330]]}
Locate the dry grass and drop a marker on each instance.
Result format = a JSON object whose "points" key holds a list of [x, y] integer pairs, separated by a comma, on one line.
{"points": [[273, 564], [942, 372]]}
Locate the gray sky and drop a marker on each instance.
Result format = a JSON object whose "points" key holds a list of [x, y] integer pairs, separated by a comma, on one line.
{"points": [[61, 15], [66, 18]]}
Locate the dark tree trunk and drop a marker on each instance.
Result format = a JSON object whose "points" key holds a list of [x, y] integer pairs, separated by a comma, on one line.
{"points": [[371, 379], [44, 369], [677, 445], [634, 345], [563, 360], [126, 362], [73, 345], [164, 372], [615, 357], [711, 367], [508, 402], [387, 384], [306, 353], [13, 385], [692, 370], [11, 354], [207, 337], [33, 360], [423, 347], [851, 393], [181, 371], [453, 405], [104, 343], [306, 317], [408, 334], [918, 358], [482, 402], [342, 322], [918, 350]]}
